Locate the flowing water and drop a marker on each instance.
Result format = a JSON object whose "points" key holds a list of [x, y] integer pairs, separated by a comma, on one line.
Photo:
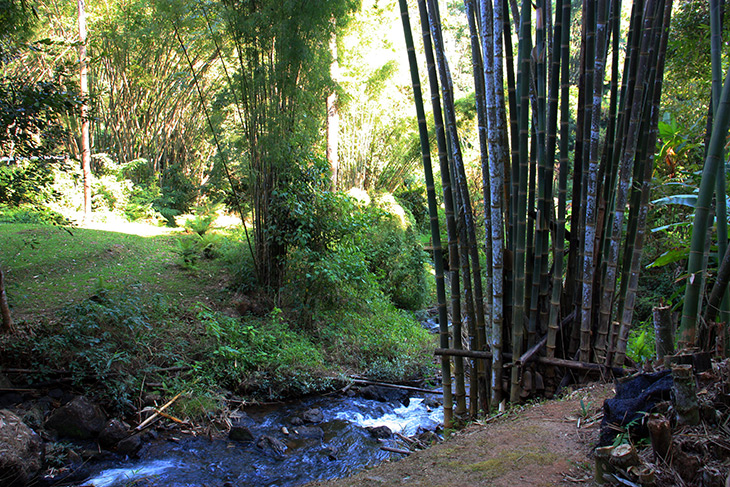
{"points": [[338, 446]]}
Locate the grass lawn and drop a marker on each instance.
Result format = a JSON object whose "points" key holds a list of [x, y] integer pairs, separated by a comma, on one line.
{"points": [[47, 267]]}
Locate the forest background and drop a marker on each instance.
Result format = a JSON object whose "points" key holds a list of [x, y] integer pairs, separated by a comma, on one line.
{"points": [[300, 121]]}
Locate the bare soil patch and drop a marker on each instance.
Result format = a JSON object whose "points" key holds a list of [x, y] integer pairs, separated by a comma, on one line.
{"points": [[546, 444]]}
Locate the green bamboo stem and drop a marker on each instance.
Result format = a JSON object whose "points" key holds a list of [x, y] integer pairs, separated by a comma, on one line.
{"points": [[543, 212], [432, 210], [492, 28], [627, 92], [628, 153], [559, 245], [721, 181], [520, 240], [448, 210], [459, 172], [480, 100], [688, 325], [510, 170], [647, 153]]}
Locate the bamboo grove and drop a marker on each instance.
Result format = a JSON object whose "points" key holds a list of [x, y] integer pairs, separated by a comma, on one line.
{"points": [[562, 267]]}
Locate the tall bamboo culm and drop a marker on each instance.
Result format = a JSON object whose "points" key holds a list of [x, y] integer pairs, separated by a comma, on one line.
{"points": [[534, 304]]}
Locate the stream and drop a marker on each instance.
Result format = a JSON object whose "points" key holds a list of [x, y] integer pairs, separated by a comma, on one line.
{"points": [[335, 447]]}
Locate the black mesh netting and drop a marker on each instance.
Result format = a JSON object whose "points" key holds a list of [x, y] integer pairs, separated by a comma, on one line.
{"points": [[634, 397]]}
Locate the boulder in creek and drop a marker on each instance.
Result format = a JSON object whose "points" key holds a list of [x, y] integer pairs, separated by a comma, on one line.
{"points": [[240, 432], [130, 445], [380, 432], [271, 446], [313, 415], [314, 432], [114, 431], [240, 427], [21, 451], [78, 419], [385, 394]]}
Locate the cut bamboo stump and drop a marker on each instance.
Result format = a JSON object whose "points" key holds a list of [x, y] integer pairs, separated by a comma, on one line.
{"points": [[602, 465], [663, 331], [660, 433], [624, 456], [684, 395]]}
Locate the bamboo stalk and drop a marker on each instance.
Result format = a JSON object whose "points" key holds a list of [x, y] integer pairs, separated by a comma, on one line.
{"points": [[431, 195], [694, 269], [521, 227], [559, 362], [627, 159], [450, 223], [646, 153], [420, 390], [559, 242]]}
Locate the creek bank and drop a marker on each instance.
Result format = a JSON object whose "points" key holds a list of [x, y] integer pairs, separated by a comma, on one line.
{"points": [[288, 444]]}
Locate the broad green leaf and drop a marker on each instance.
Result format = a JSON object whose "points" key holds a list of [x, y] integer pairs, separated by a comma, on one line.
{"points": [[669, 257], [677, 199]]}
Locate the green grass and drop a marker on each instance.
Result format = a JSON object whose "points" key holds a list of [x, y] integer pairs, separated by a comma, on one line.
{"points": [[112, 308], [47, 267]]}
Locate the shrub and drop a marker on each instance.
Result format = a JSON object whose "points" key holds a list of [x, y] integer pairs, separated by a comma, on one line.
{"points": [[261, 356], [26, 181], [105, 341], [395, 255], [31, 214]]}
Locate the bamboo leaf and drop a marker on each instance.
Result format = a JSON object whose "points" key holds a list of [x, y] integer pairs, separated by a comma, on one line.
{"points": [[670, 226], [670, 257], [689, 200]]}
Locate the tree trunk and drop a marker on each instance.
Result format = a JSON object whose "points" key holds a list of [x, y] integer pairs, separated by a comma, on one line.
{"points": [[85, 145], [4, 308], [333, 118]]}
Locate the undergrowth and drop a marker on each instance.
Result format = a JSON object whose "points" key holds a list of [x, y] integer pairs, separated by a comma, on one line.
{"points": [[346, 307]]}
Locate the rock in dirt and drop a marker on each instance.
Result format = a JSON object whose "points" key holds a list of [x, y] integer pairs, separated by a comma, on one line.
{"points": [[314, 415], [21, 451], [79, 419], [271, 446]]}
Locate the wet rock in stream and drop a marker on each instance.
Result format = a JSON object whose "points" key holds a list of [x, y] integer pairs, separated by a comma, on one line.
{"points": [[114, 431], [271, 446], [314, 415], [313, 432], [380, 432]]}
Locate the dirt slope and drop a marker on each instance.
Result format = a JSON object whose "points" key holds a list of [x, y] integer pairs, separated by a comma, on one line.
{"points": [[542, 445]]}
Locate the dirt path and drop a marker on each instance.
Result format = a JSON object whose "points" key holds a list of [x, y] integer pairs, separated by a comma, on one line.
{"points": [[541, 445]]}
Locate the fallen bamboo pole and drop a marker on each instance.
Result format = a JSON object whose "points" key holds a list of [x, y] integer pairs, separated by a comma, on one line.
{"points": [[571, 364], [157, 413], [394, 386], [528, 354], [395, 450]]}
